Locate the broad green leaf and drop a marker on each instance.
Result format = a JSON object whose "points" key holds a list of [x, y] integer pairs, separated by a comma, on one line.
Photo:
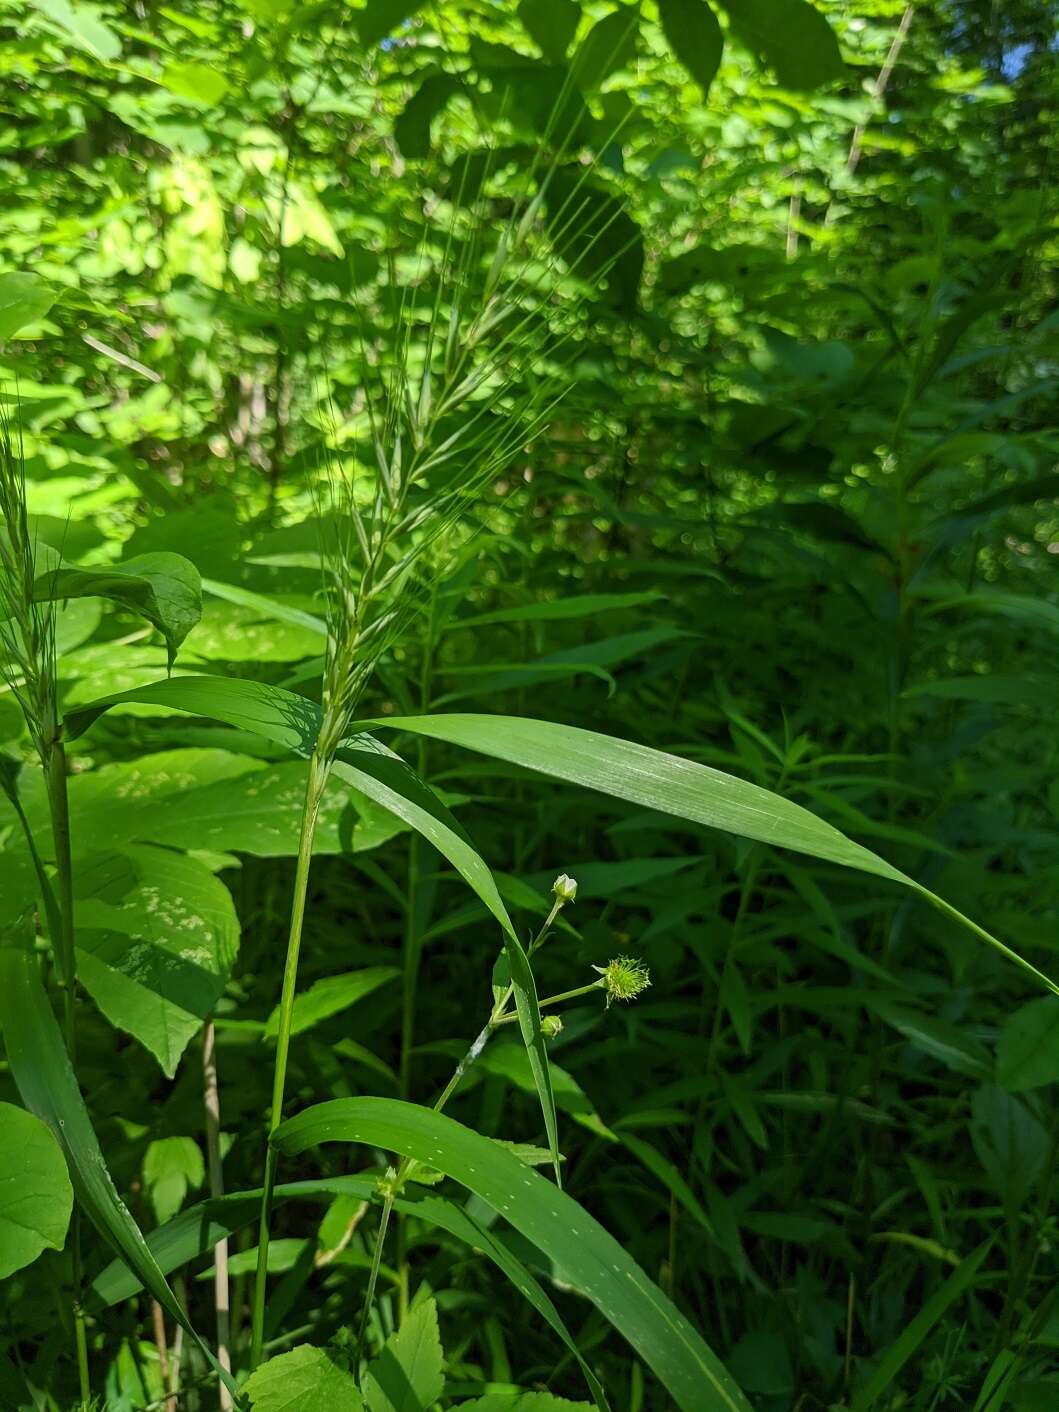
{"points": [[647, 777], [213, 799], [609, 45], [170, 1166], [83, 24], [589, 1258], [198, 1229], [1027, 1052], [408, 1375], [36, 1197], [303, 1380], [289, 720], [666, 783], [294, 722], [163, 588], [199, 83], [331, 996], [236, 630], [551, 24], [379, 18], [157, 936], [918, 1329], [24, 298], [411, 127], [695, 38], [1012, 1145], [792, 37], [594, 234], [41, 1070]]}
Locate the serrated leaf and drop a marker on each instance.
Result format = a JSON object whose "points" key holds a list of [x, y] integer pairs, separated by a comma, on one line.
{"points": [[303, 1380], [157, 936], [170, 1166], [408, 1375], [198, 1229]]}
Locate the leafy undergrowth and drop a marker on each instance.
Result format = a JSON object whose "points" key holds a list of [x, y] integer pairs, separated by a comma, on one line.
{"points": [[528, 614]]}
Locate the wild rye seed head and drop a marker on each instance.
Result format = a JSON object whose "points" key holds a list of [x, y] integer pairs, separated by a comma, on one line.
{"points": [[27, 626], [449, 416]]}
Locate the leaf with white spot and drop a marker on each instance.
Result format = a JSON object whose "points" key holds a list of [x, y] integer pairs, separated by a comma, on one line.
{"points": [[157, 936]]}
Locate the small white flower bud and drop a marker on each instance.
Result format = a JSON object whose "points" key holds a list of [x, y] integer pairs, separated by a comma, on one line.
{"points": [[565, 888]]}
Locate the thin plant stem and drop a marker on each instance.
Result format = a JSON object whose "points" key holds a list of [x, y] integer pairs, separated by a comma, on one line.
{"points": [[221, 1293], [59, 810], [314, 788], [556, 999], [160, 1343], [395, 1179]]}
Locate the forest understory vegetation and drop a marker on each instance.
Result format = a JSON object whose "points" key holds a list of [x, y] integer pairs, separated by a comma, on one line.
{"points": [[529, 785]]}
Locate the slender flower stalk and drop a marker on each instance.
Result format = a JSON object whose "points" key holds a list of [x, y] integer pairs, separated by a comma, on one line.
{"points": [[27, 661], [621, 979], [221, 1293]]}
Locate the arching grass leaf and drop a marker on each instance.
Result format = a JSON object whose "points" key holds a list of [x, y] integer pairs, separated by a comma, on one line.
{"points": [[670, 785], [589, 1257], [199, 1228]]}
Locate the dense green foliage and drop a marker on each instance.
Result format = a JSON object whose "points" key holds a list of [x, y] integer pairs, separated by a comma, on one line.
{"points": [[447, 447]]}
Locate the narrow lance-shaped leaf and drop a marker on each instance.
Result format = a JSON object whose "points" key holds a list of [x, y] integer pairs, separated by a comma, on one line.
{"points": [[41, 1069], [588, 1256], [898, 1354], [656, 780]]}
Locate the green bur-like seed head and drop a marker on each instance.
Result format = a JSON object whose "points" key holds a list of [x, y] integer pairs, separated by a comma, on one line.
{"points": [[624, 978]]}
